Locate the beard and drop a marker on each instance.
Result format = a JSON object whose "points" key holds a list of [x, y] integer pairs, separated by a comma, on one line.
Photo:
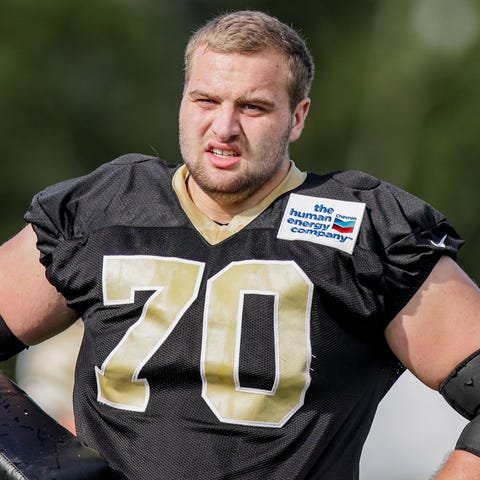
{"points": [[231, 188]]}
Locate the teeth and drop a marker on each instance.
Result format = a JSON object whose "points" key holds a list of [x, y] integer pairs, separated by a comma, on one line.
{"points": [[223, 153]]}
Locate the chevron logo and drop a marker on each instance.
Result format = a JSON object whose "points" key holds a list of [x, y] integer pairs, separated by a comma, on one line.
{"points": [[343, 226]]}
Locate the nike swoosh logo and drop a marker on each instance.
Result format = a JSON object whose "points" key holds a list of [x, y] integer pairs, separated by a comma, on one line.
{"points": [[441, 243]]}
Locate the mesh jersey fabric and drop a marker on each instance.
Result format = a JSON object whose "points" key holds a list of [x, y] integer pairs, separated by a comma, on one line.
{"points": [[124, 221]]}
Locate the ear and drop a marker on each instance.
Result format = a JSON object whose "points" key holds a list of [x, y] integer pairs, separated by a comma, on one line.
{"points": [[299, 116]]}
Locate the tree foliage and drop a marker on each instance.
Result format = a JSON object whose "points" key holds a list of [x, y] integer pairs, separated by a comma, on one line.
{"points": [[396, 92]]}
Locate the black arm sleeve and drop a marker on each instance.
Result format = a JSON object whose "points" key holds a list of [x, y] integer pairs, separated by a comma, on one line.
{"points": [[10, 345]]}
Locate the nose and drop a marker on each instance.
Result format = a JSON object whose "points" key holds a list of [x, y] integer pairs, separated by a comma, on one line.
{"points": [[226, 123]]}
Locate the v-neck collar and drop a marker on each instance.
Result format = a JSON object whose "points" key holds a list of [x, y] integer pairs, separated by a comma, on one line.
{"points": [[211, 231]]}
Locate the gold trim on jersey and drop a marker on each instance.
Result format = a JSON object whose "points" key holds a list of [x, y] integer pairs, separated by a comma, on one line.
{"points": [[211, 231]]}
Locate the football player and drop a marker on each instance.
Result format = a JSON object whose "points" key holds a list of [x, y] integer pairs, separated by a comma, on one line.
{"points": [[243, 318]]}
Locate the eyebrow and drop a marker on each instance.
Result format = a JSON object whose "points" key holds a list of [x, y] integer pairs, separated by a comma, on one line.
{"points": [[255, 100], [200, 94], [265, 102]]}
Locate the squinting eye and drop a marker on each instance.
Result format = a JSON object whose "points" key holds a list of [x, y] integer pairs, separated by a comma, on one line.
{"points": [[206, 102], [253, 109]]}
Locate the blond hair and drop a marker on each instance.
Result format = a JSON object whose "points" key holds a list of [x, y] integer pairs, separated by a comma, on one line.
{"points": [[253, 32]]}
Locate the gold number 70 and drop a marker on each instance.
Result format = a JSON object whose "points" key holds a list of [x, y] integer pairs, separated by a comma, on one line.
{"points": [[175, 284]]}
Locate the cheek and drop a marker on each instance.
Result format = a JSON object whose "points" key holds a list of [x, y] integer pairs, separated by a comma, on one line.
{"points": [[192, 122], [183, 115], [266, 132]]}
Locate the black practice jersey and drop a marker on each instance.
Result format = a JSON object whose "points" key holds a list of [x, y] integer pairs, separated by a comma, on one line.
{"points": [[252, 350]]}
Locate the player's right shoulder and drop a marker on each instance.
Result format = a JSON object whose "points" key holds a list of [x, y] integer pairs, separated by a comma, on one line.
{"points": [[131, 167], [132, 159]]}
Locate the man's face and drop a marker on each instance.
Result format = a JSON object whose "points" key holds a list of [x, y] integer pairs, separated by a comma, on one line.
{"points": [[236, 123]]}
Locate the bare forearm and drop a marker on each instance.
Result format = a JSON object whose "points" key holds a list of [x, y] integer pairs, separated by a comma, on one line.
{"points": [[460, 465]]}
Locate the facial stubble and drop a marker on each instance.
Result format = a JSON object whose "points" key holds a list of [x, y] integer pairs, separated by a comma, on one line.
{"points": [[240, 187]]}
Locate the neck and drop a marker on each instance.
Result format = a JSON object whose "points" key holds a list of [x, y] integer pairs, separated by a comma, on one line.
{"points": [[222, 207]]}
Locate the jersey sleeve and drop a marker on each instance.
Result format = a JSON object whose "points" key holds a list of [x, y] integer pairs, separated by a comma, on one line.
{"points": [[68, 211], [50, 217], [411, 237]]}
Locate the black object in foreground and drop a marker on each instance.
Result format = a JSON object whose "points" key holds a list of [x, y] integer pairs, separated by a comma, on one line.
{"points": [[33, 446]]}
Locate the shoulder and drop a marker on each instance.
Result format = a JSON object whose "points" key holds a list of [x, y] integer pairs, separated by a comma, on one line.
{"points": [[356, 180], [395, 221], [70, 208], [104, 178], [134, 159], [346, 181], [384, 201], [131, 166], [108, 179]]}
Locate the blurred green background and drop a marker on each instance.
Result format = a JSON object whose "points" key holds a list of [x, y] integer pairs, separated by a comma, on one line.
{"points": [[397, 92]]}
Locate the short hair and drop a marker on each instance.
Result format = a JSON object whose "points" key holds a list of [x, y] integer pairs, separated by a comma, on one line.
{"points": [[250, 31]]}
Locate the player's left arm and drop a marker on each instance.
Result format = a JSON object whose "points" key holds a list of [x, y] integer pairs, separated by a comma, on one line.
{"points": [[436, 336]]}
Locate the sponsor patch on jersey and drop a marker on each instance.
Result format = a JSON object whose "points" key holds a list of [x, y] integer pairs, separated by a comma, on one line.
{"points": [[329, 222]]}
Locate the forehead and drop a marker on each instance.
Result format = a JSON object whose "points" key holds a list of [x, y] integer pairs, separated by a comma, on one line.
{"points": [[253, 72]]}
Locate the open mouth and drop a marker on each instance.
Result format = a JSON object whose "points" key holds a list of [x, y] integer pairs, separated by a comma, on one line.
{"points": [[224, 158], [224, 153]]}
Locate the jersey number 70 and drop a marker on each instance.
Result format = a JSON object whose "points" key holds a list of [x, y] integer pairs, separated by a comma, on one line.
{"points": [[175, 285]]}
